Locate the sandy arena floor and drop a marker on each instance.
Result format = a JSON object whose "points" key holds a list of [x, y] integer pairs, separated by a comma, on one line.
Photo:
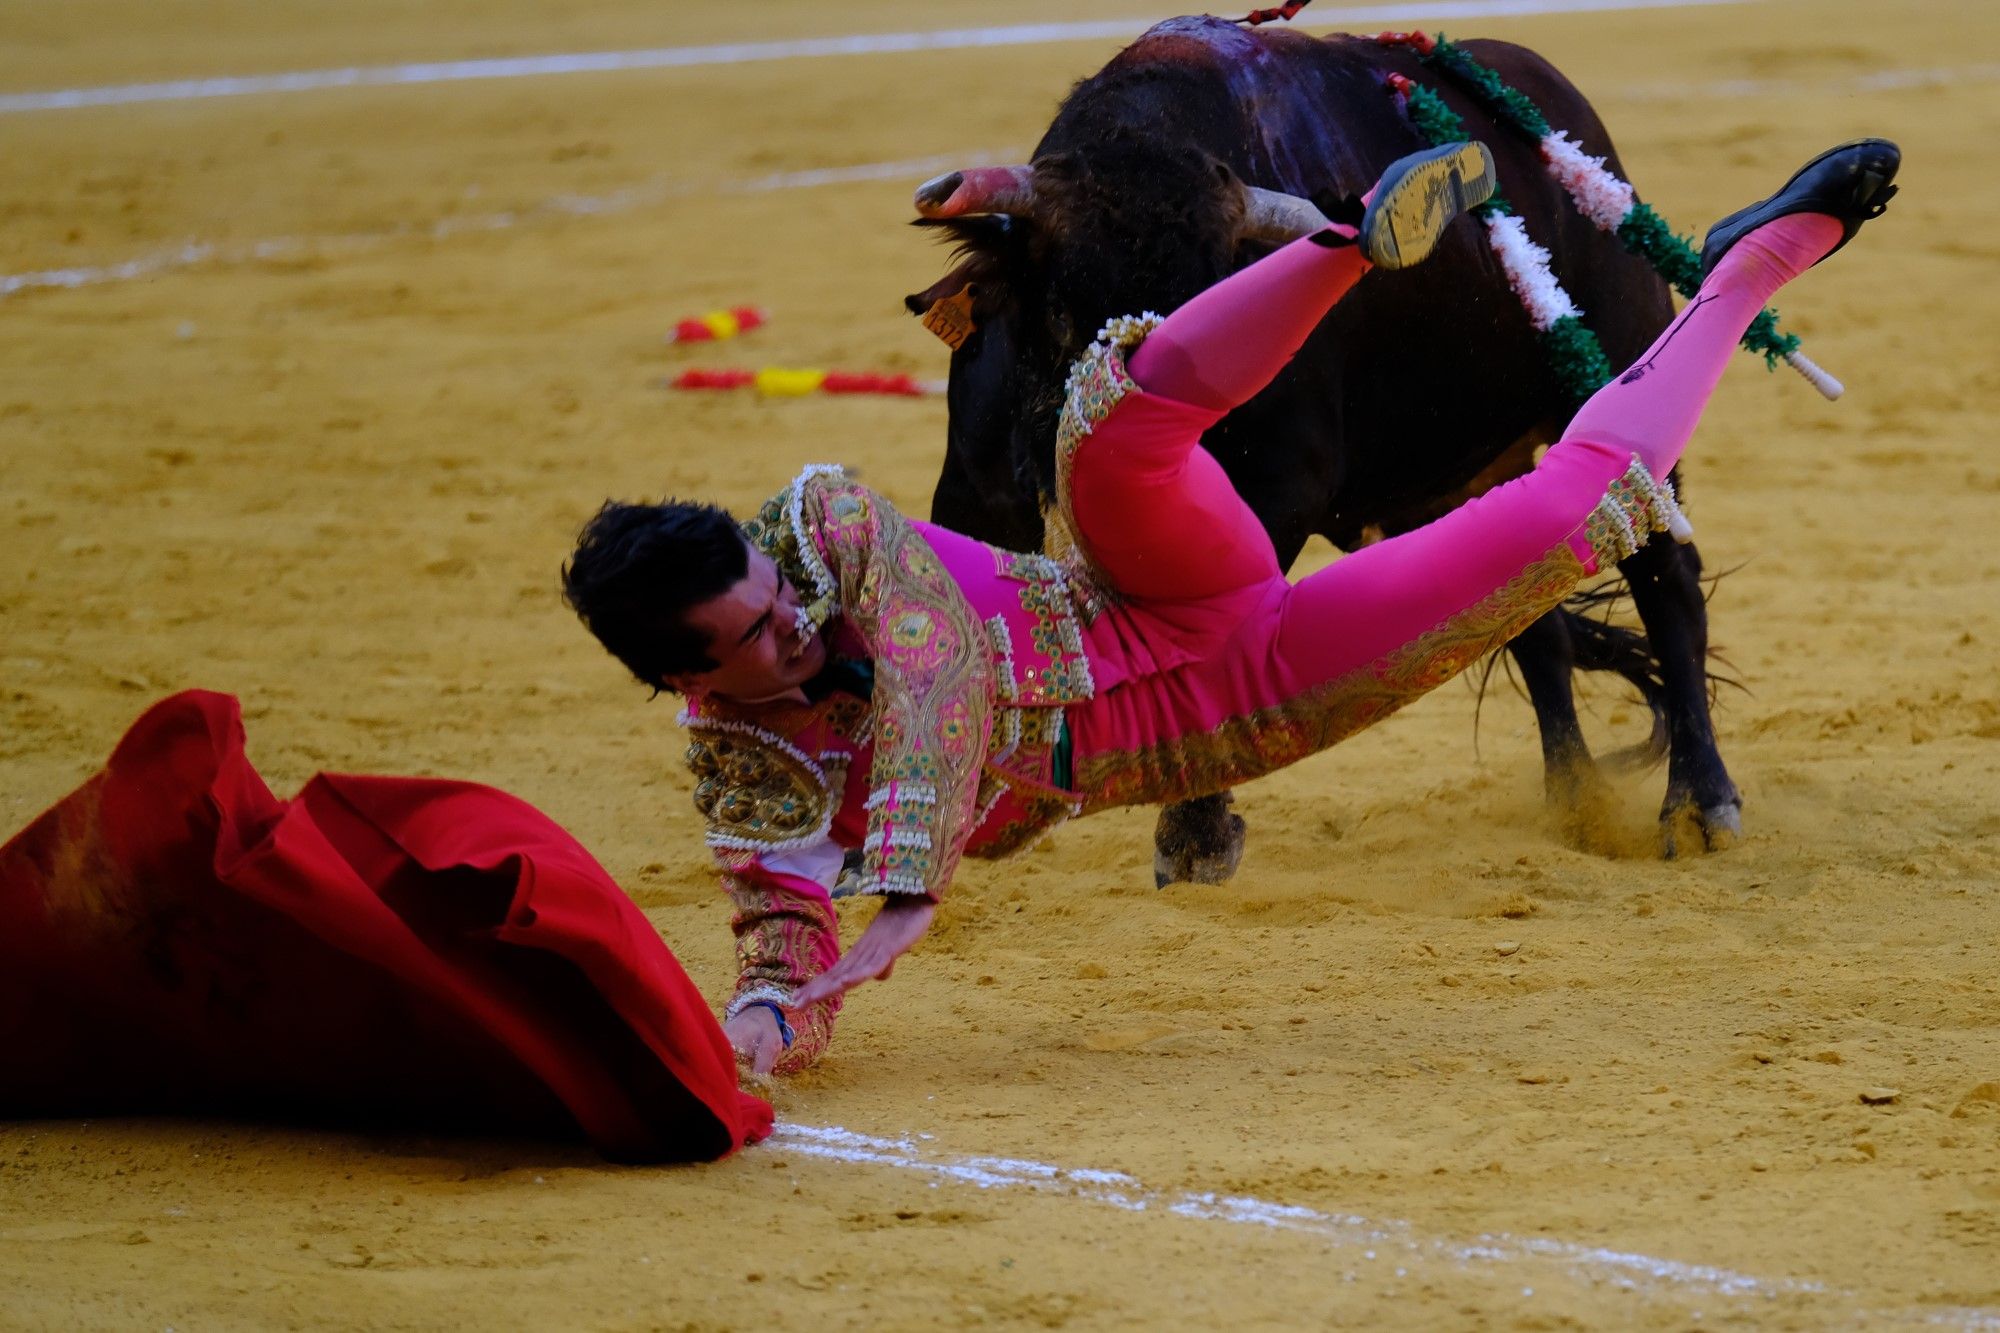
{"points": [[1422, 1065]]}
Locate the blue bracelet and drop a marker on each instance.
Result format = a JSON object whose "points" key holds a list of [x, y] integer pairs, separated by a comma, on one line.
{"points": [[784, 1028]]}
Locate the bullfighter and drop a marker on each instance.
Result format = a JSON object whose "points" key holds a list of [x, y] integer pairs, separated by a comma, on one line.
{"points": [[860, 682]]}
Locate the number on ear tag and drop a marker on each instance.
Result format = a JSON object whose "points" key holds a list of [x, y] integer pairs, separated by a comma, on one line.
{"points": [[950, 317]]}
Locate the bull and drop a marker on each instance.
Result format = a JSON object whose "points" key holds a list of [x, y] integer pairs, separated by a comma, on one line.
{"points": [[1199, 148]]}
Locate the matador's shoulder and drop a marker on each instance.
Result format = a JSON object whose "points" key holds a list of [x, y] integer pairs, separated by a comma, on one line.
{"points": [[797, 526], [757, 790], [780, 529]]}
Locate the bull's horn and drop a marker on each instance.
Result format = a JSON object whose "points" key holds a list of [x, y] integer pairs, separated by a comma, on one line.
{"points": [[978, 190], [1269, 215]]}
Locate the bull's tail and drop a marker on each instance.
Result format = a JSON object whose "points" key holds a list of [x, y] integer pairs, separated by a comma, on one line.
{"points": [[1596, 644], [1600, 645]]}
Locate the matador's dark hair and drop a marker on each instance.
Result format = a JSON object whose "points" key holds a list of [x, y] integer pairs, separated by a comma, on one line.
{"points": [[637, 570]]}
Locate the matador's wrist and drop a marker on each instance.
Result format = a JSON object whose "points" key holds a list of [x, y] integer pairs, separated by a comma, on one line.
{"points": [[785, 1032]]}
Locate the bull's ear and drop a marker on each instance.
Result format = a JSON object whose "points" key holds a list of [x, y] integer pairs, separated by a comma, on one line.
{"points": [[946, 306], [951, 317], [951, 284], [988, 249]]}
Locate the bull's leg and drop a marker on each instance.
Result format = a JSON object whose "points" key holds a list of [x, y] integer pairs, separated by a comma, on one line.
{"points": [[1547, 659], [1569, 775], [1665, 578], [1198, 842]]}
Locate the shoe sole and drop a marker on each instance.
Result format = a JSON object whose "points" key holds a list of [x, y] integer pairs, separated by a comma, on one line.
{"points": [[1417, 199]]}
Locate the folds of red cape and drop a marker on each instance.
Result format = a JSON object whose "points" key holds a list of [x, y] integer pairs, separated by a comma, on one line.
{"points": [[389, 952]]}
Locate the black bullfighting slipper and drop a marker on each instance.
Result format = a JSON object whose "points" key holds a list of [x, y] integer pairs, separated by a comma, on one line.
{"points": [[1417, 198], [1850, 183]]}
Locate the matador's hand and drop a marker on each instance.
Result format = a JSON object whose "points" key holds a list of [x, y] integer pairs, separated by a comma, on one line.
{"points": [[754, 1033], [900, 924]]}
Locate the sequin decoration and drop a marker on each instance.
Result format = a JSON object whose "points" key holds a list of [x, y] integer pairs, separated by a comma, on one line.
{"points": [[1097, 382], [785, 936], [1634, 507], [1063, 677], [757, 790], [958, 718], [775, 530], [933, 682]]}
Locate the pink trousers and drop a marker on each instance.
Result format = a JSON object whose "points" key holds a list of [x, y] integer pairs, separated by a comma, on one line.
{"points": [[1226, 671]]}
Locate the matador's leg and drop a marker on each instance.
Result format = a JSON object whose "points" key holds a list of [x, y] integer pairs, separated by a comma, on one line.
{"points": [[1592, 497], [1154, 512], [1386, 624]]}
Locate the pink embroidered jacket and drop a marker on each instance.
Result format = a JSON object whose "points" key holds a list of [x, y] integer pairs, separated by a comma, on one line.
{"points": [[974, 652]]}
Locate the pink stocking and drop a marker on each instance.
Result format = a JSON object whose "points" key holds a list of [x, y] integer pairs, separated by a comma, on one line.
{"points": [[1228, 342], [1385, 596], [1155, 510], [1388, 623], [1652, 408]]}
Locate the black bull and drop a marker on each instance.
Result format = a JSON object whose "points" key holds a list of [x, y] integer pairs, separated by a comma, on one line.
{"points": [[1420, 387]]}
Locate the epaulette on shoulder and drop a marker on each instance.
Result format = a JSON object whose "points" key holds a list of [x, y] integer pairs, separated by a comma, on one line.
{"points": [[778, 530], [758, 791]]}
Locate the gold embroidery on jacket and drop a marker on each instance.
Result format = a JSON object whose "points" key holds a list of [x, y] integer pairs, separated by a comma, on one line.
{"points": [[1056, 636], [758, 791], [927, 797]]}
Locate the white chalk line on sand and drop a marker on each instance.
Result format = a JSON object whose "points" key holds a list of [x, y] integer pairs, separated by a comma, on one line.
{"points": [[739, 53], [279, 249], [282, 248], [1382, 1247]]}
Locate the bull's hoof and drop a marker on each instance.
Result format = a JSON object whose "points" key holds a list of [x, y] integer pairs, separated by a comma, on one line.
{"points": [[1721, 825], [1573, 782], [1692, 828], [1584, 809], [1198, 842], [1214, 867]]}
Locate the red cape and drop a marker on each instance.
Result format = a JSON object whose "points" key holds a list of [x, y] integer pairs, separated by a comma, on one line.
{"points": [[382, 951]]}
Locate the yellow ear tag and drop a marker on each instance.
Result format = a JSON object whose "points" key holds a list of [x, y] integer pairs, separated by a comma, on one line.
{"points": [[950, 317]]}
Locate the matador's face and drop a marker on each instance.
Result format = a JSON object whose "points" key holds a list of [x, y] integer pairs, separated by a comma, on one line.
{"points": [[755, 638]]}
